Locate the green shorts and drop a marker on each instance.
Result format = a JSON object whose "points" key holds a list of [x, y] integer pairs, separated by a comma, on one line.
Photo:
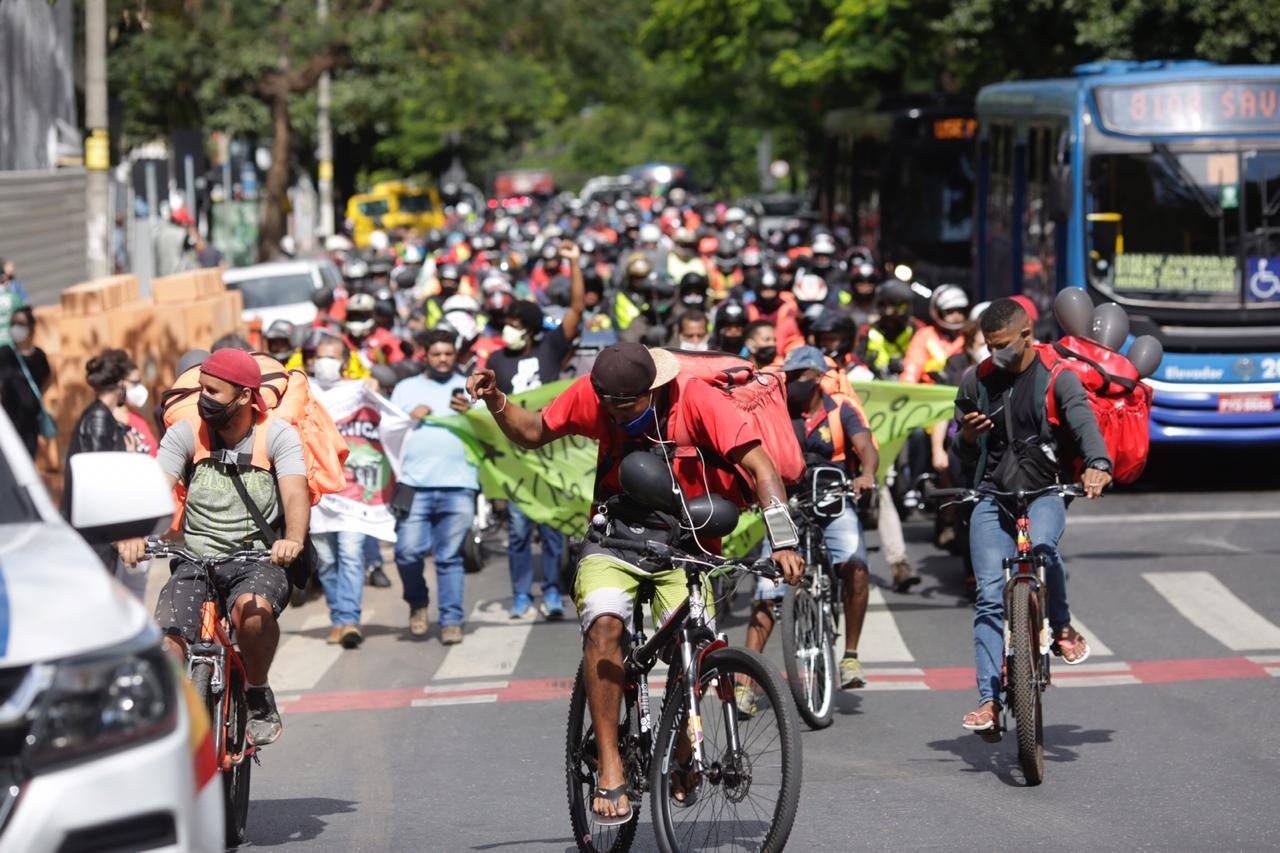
{"points": [[607, 586]]}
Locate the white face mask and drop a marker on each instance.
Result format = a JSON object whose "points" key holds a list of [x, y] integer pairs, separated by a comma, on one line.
{"points": [[360, 328], [136, 396], [513, 338], [327, 369], [699, 346], [20, 334]]}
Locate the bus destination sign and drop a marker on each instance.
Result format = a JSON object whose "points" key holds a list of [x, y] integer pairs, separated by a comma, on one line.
{"points": [[1251, 106], [954, 128]]}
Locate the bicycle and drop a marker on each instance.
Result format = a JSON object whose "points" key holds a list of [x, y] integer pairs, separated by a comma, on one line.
{"points": [[217, 672], [725, 764], [811, 610], [1027, 638]]}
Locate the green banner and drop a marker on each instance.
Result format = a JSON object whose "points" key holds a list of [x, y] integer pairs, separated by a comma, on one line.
{"points": [[553, 484]]}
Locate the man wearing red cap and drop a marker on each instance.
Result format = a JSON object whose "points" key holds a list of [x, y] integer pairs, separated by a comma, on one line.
{"points": [[234, 434], [630, 401]]}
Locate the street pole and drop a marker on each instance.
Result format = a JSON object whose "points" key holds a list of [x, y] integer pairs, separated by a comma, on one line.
{"points": [[97, 146], [324, 142]]}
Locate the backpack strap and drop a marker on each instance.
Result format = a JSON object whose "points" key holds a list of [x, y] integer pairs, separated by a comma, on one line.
{"points": [[1123, 382], [254, 511], [837, 430]]}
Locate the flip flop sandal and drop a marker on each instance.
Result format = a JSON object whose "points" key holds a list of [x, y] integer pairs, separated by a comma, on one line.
{"points": [[689, 785], [1069, 643], [985, 720], [612, 795]]}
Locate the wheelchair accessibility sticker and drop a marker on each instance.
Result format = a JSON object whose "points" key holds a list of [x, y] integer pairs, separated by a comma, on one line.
{"points": [[1264, 279]]}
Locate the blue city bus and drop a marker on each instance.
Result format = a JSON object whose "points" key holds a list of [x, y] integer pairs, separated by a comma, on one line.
{"points": [[1155, 185]]}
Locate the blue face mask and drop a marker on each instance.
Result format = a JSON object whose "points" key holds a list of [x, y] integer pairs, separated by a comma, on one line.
{"points": [[637, 427]]}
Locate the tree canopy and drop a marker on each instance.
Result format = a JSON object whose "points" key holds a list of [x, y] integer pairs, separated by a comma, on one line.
{"points": [[591, 86]]}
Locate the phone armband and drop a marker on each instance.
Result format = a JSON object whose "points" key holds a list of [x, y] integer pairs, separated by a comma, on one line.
{"points": [[780, 528]]}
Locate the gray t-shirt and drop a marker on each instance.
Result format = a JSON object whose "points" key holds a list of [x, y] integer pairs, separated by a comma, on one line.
{"points": [[216, 520]]}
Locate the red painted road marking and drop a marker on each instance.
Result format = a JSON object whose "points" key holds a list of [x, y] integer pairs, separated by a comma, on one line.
{"points": [[933, 678]]}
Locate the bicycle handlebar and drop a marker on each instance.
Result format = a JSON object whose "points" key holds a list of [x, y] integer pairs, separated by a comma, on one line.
{"points": [[961, 495], [764, 567], [160, 548]]}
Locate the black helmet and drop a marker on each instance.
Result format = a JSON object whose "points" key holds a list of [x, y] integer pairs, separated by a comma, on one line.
{"points": [[448, 271], [693, 282], [712, 516], [281, 330], [894, 292], [832, 321], [730, 313], [646, 478]]}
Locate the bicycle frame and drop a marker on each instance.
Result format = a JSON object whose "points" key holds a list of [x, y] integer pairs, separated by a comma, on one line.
{"points": [[217, 649], [1027, 568]]}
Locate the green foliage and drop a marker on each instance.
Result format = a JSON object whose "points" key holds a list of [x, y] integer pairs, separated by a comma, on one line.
{"points": [[593, 86]]}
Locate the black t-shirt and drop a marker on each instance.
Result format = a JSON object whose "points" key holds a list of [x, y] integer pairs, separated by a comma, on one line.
{"points": [[814, 434], [1018, 392], [520, 372], [20, 404]]}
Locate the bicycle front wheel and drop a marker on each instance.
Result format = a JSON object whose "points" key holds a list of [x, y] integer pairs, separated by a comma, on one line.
{"points": [[745, 795], [809, 656], [235, 779], [581, 768], [1024, 691]]}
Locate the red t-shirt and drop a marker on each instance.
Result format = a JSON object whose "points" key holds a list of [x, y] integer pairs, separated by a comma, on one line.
{"points": [[713, 423]]}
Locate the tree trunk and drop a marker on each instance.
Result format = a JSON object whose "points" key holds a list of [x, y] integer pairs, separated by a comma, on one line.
{"points": [[272, 228]]}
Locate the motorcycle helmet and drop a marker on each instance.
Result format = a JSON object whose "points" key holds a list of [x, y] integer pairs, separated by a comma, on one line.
{"points": [[948, 297]]}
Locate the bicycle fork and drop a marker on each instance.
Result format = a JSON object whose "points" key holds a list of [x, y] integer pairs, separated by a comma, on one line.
{"points": [[1030, 570]]}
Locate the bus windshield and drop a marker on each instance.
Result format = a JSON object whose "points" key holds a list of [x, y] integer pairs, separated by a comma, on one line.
{"points": [[415, 203], [1166, 226], [935, 201], [375, 208]]}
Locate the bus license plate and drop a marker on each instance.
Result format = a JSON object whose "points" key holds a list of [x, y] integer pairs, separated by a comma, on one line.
{"points": [[1245, 404]]}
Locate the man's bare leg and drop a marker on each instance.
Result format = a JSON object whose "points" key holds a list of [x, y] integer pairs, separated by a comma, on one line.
{"points": [[602, 672], [857, 590], [258, 634], [760, 626]]}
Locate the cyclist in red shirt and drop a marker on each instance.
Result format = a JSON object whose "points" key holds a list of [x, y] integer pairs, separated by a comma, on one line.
{"points": [[628, 402]]}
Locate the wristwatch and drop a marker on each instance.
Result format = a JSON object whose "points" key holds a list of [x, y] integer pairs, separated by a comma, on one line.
{"points": [[1101, 465]]}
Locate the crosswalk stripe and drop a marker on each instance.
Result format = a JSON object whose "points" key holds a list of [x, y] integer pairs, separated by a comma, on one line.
{"points": [[1174, 517], [1096, 681], [492, 650], [464, 686], [1207, 603], [1097, 648], [301, 661], [881, 641], [479, 699]]}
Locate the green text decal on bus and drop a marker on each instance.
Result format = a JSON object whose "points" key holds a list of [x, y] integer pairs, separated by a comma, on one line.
{"points": [[1155, 185]]}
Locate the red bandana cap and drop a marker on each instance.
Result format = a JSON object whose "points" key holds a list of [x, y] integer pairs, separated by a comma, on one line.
{"points": [[237, 367]]}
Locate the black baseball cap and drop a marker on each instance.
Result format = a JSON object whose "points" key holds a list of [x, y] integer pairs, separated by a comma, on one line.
{"points": [[629, 369]]}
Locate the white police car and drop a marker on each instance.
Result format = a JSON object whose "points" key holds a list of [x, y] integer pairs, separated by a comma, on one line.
{"points": [[103, 744]]}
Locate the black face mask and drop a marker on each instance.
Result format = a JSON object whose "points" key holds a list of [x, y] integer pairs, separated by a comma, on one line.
{"points": [[767, 304], [216, 415], [766, 355], [439, 375], [731, 343], [799, 393]]}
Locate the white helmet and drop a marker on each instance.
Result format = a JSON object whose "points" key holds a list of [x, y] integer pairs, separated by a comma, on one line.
{"points": [[975, 313], [734, 215], [462, 323], [948, 297], [824, 245], [461, 302], [379, 241], [650, 233], [811, 288]]}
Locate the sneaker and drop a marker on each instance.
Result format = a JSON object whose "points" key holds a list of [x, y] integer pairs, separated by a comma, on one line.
{"points": [[903, 577], [377, 577], [522, 608], [451, 635], [264, 725], [419, 620], [351, 637], [851, 675], [335, 635], [744, 696], [552, 606]]}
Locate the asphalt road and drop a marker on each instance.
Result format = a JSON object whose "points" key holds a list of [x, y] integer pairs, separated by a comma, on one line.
{"points": [[1168, 742]]}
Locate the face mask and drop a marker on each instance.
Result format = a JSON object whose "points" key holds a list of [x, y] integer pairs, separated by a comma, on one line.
{"points": [[327, 369], [20, 334], [216, 415], [766, 355], [636, 427], [980, 353], [693, 301], [439, 375], [700, 346], [1006, 357], [513, 338], [731, 343], [799, 393], [360, 328], [136, 396], [768, 303], [281, 355]]}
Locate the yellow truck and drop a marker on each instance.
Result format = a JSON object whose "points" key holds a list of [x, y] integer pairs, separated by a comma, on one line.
{"points": [[393, 204]]}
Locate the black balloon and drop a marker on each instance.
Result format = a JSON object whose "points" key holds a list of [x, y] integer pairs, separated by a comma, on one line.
{"points": [[1145, 353], [1074, 311], [1110, 326]]}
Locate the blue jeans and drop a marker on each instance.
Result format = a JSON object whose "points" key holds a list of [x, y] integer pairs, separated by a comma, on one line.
{"points": [[372, 552], [991, 539], [520, 553], [437, 524], [341, 573]]}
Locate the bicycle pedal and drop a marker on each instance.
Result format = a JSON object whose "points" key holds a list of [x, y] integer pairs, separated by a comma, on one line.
{"points": [[991, 735]]}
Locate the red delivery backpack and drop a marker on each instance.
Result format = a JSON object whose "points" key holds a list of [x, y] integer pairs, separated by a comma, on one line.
{"points": [[1120, 402], [759, 395]]}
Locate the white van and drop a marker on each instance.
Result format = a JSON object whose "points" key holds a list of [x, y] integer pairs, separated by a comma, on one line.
{"points": [[282, 290], [103, 742]]}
